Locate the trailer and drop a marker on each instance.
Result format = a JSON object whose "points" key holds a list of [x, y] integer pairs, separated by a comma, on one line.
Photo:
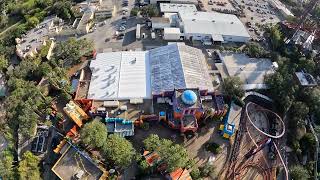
{"points": [[138, 31]]}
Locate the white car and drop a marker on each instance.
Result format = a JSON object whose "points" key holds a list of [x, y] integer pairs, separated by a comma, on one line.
{"points": [[209, 53]]}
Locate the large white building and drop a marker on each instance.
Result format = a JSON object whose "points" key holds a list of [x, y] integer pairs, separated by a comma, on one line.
{"points": [[211, 25], [140, 74]]}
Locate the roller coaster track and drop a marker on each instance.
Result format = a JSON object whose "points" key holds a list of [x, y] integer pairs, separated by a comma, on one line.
{"points": [[236, 147], [236, 173]]}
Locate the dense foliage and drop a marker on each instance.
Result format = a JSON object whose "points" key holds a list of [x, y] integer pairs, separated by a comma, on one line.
{"points": [[233, 87], [174, 155], [69, 52], [94, 134], [6, 165], [299, 173], [255, 50], [29, 166], [118, 150]]}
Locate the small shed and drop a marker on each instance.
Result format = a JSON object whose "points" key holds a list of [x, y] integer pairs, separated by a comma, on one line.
{"points": [[160, 23], [172, 34]]}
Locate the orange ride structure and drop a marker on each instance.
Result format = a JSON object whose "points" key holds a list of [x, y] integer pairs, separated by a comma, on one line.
{"points": [[77, 115]]}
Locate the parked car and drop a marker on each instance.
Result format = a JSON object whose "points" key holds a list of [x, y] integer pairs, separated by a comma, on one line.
{"points": [[120, 36], [209, 53]]}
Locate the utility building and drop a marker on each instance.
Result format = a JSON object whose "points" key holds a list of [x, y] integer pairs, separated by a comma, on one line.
{"points": [[218, 27]]}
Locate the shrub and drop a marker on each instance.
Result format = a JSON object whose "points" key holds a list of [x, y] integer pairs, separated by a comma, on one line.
{"points": [[213, 147], [134, 12], [145, 126], [195, 173]]}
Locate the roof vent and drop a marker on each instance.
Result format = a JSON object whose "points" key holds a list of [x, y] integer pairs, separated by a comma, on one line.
{"points": [[193, 19], [133, 61], [231, 22], [213, 21]]}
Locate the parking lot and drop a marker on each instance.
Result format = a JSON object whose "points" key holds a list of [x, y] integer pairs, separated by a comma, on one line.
{"points": [[256, 14], [119, 32], [224, 6]]}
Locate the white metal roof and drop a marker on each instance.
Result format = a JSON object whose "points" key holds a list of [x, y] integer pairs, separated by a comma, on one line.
{"points": [[213, 23], [120, 75], [168, 7], [177, 66], [171, 31], [138, 74]]}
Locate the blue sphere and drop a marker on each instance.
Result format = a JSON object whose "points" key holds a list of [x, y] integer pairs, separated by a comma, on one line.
{"points": [[189, 97]]}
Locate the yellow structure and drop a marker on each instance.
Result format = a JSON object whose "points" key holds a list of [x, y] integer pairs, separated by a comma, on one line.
{"points": [[77, 114]]}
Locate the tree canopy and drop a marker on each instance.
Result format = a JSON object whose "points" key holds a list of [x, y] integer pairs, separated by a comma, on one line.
{"points": [[3, 62], [29, 166], [94, 134], [72, 50], [233, 87], [63, 9], [150, 11], [255, 50], [174, 155], [298, 172], [6, 165], [118, 150], [275, 36]]}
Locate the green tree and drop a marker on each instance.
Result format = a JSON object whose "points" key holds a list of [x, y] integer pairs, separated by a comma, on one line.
{"points": [[29, 166], [275, 37], [174, 155], [313, 101], [118, 150], [152, 142], [298, 172], [94, 134], [72, 50], [150, 11], [3, 62], [134, 11], [32, 22], [281, 85], [233, 87], [3, 20], [195, 173], [255, 50], [308, 142], [299, 111], [63, 9], [6, 166]]}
